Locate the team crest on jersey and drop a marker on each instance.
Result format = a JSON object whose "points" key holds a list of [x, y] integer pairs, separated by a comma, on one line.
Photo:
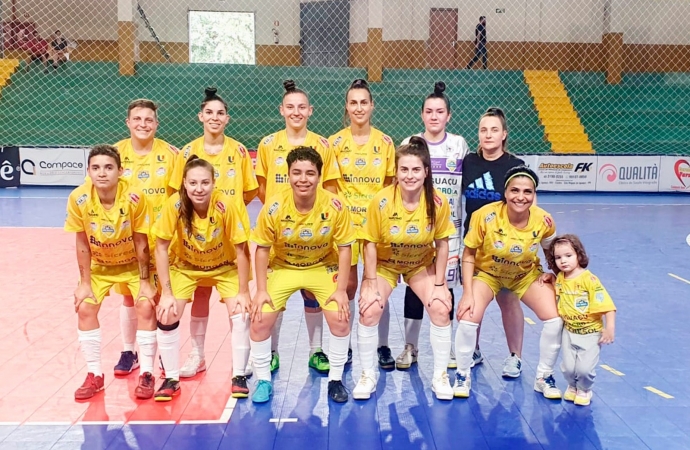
{"points": [[324, 216], [516, 249], [345, 161], [200, 238], [535, 234], [498, 245], [107, 229], [134, 198], [125, 225], [94, 226], [160, 172], [377, 162], [231, 160], [337, 141], [599, 297], [143, 175], [216, 233], [582, 304], [360, 163], [160, 158], [187, 150], [242, 150], [383, 203], [269, 139], [287, 232], [377, 150], [280, 161], [489, 217], [220, 206], [272, 210], [394, 230], [533, 248], [324, 142], [336, 204], [451, 164], [306, 234], [231, 173], [82, 198], [212, 220], [438, 200], [387, 139], [127, 173], [412, 229], [324, 231]]}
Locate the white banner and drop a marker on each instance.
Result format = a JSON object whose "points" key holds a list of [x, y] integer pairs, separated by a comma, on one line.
{"points": [[628, 173], [52, 166], [675, 174], [567, 172]]}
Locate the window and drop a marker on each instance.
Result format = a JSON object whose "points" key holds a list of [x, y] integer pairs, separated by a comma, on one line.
{"points": [[221, 37]]}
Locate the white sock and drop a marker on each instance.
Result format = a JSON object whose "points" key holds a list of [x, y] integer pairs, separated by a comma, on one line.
{"points": [[128, 327], [240, 343], [314, 321], [465, 337], [275, 333], [384, 325], [412, 329], [261, 352], [440, 345], [366, 346], [90, 344], [549, 346], [337, 356], [147, 349], [169, 348], [197, 331]]}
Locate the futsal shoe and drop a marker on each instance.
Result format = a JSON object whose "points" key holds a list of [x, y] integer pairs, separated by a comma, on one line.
{"points": [[477, 358], [319, 361], [463, 385], [192, 365], [512, 366], [128, 362], [169, 389], [92, 384], [147, 384], [365, 386], [239, 387], [452, 363], [263, 392], [547, 386], [337, 391], [570, 394], [408, 357], [386, 361], [275, 361], [583, 398], [440, 385]]}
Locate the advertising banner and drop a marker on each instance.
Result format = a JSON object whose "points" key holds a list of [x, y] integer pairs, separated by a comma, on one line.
{"points": [[628, 173], [9, 167], [675, 174], [567, 173], [52, 166]]}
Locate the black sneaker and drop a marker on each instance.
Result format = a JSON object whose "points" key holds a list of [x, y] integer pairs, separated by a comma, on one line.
{"points": [[169, 389], [337, 392], [349, 356], [128, 362], [386, 361], [239, 387]]}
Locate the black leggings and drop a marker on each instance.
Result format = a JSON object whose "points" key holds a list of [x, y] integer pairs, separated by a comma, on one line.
{"points": [[414, 308]]}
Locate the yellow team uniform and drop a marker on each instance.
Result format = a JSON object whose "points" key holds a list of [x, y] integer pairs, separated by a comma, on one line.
{"points": [[303, 254], [363, 171], [271, 160], [507, 257], [111, 235], [208, 256], [582, 302], [151, 174], [404, 239], [234, 174]]}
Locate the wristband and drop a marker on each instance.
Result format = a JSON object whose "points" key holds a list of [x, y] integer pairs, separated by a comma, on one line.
{"points": [[440, 285]]}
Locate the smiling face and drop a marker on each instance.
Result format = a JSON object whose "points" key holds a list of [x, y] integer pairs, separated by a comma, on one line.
{"points": [[435, 115], [304, 178], [359, 106], [214, 116], [104, 171], [296, 110], [411, 173], [519, 194], [142, 123], [198, 182]]}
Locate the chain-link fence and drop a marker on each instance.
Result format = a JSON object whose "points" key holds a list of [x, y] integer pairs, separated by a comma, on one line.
{"points": [[573, 76]]}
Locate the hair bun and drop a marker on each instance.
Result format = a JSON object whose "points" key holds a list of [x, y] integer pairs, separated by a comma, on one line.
{"points": [[210, 92], [439, 88], [359, 83], [289, 85], [192, 158], [419, 141]]}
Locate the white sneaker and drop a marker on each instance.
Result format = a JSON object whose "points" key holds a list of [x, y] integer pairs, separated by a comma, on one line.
{"points": [[547, 386], [463, 385], [406, 358], [512, 366], [583, 398], [452, 363], [193, 365], [365, 386], [441, 386]]}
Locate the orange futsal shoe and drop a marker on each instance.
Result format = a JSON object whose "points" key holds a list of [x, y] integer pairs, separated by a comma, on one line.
{"points": [[92, 384]]}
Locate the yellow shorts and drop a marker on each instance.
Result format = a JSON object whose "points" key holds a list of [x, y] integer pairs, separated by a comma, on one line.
{"points": [[519, 286], [357, 252], [283, 282], [122, 288], [184, 281], [393, 277], [105, 277]]}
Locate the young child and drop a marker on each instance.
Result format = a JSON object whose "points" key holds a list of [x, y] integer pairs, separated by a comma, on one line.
{"points": [[583, 303]]}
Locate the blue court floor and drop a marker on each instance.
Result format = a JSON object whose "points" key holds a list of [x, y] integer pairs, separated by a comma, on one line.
{"points": [[637, 246]]}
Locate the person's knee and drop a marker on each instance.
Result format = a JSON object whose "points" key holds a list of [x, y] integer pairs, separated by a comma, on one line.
{"points": [[87, 311], [145, 310], [372, 316], [438, 314]]}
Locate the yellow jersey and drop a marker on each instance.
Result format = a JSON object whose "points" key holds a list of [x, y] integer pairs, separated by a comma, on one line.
{"points": [[405, 239], [110, 231], [582, 301], [211, 243], [303, 240], [363, 169], [504, 251], [234, 171], [151, 173], [271, 160]]}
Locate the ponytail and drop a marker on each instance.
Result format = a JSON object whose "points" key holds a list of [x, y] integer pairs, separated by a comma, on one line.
{"points": [[418, 147], [186, 207], [211, 94]]}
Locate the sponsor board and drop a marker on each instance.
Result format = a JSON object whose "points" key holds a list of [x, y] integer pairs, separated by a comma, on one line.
{"points": [[675, 174], [566, 173], [9, 167], [52, 166], [628, 173]]}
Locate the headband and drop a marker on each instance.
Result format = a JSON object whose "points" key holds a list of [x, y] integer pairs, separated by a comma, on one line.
{"points": [[520, 174]]}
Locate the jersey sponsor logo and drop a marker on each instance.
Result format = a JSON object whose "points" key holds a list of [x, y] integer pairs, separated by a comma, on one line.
{"points": [[154, 191], [160, 158], [200, 238], [360, 163], [306, 234], [548, 221], [337, 141], [345, 162], [451, 164], [336, 204], [394, 230], [287, 232], [82, 198], [499, 260], [125, 225], [161, 171], [324, 142], [395, 216], [350, 178], [134, 198], [143, 175], [387, 139], [216, 174], [107, 229], [483, 189], [230, 192], [382, 203], [216, 233], [178, 204], [516, 249], [599, 297], [174, 150], [187, 150], [489, 217], [96, 243], [438, 200], [499, 245], [376, 162], [280, 161], [582, 303], [272, 210], [231, 160], [127, 173], [269, 139], [358, 209], [533, 248], [288, 219], [231, 173], [94, 226], [412, 229], [220, 206], [324, 231], [345, 149], [242, 150]]}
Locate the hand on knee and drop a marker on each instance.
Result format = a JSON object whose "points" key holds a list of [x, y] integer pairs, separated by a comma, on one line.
{"points": [[371, 317], [438, 314]]}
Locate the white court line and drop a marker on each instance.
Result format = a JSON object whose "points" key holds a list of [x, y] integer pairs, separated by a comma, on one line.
{"points": [[286, 420], [10, 424], [32, 228], [36, 198], [201, 422], [48, 423], [679, 278], [101, 423], [151, 422]]}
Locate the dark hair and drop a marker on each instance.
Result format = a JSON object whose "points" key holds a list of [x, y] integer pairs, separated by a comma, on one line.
{"points": [[418, 147], [574, 241], [303, 153], [186, 207], [359, 83], [211, 94], [439, 88], [291, 88], [482, 18], [106, 150], [521, 171], [498, 113], [143, 103]]}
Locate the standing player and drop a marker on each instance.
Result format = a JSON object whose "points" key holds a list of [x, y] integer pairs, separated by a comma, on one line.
{"points": [[110, 219], [272, 175], [208, 235], [501, 248], [300, 229], [147, 164], [366, 158], [483, 182], [447, 152], [234, 177], [406, 234]]}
